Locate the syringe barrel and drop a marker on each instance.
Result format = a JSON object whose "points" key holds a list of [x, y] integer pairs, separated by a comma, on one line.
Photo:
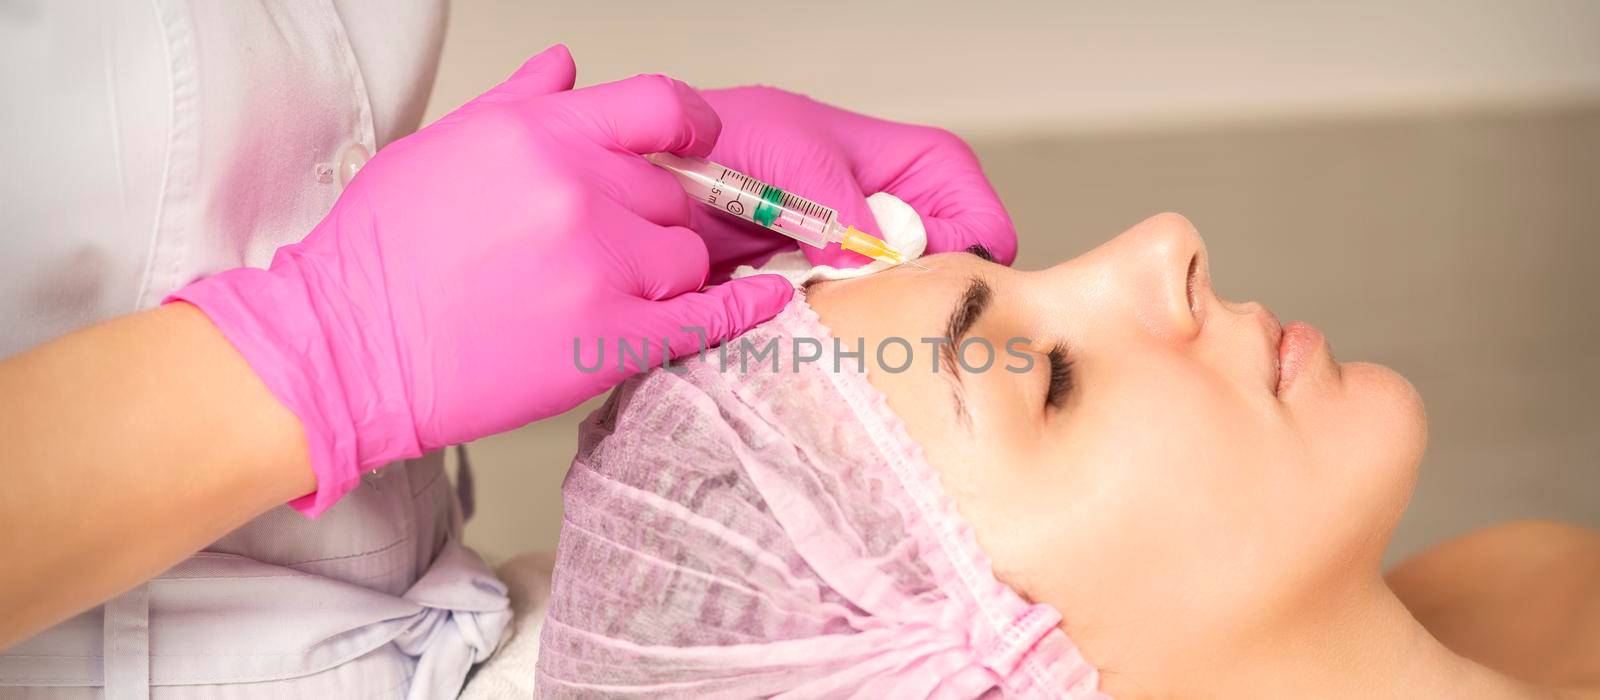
{"points": [[735, 193]]}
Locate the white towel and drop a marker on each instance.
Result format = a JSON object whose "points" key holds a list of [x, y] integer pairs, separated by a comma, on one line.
{"points": [[901, 228], [508, 674]]}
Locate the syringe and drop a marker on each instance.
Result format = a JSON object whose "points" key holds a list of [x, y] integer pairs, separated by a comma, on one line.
{"points": [[736, 193]]}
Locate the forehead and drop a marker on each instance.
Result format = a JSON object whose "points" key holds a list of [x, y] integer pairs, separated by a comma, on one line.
{"points": [[902, 301]]}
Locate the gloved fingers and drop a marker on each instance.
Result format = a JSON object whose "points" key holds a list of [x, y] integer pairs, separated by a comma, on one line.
{"points": [[732, 242], [694, 321], [989, 228], [548, 71], [658, 262], [647, 114], [841, 190], [937, 173], [649, 191]]}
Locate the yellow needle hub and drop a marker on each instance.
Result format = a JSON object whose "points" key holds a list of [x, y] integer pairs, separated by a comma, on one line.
{"points": [[870, 246]]}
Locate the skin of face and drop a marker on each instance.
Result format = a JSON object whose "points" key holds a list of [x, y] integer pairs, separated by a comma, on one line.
{"points": [[1180, 511]]}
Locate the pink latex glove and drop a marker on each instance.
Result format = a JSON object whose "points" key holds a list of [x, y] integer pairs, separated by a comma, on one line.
{"points": [[837, 158], [439, 301]]}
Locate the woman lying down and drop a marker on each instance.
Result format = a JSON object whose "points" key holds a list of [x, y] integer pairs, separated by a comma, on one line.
{"points": [[1150, 493]]}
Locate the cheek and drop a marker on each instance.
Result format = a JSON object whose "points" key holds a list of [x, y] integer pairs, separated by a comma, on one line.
{"points": [[1141, 481]]}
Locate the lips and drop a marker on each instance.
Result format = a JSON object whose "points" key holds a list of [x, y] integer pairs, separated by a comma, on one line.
{"points": [[1299, 341]]}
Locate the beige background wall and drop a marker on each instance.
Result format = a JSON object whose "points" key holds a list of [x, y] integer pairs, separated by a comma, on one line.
{"points": [[1048, 65], [1419, 182]]}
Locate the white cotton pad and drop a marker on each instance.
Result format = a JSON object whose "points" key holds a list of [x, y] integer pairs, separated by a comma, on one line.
{"points": [[897, 221]]}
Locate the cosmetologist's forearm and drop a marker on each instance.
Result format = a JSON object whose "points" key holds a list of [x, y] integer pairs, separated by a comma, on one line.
{"points": [[131, 444]]}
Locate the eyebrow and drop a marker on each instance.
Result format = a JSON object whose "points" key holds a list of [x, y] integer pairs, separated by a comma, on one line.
{"points": [[974, 300]]}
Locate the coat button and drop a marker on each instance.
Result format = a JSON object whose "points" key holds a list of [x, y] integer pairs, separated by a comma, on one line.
{"points": [[350, 162]]}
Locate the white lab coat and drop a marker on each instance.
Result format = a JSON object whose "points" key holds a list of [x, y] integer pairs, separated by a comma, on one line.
{"points": [[145, 144]]}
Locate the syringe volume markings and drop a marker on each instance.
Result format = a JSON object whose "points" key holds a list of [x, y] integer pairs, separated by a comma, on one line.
{"points": [[808, 222], [804, 206]]}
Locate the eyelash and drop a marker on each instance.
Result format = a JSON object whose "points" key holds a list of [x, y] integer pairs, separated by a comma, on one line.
{"points": [[1060, 377]]}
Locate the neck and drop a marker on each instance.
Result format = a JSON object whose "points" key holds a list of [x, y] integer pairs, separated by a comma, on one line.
{"points": [[1365, 644], [1369, 645]]}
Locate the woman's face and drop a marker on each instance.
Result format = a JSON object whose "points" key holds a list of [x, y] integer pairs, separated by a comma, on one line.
{"points": [[1183, 477]]}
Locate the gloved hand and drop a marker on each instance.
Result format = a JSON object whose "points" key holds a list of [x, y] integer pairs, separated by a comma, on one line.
{"points": [[449, 292], [837, 158]]}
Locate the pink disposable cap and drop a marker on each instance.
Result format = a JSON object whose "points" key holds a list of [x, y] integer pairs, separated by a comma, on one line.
{"points": [[748, 533]]}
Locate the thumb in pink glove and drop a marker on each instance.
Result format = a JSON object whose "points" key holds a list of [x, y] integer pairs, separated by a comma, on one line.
{"points": [[446, 295], [837, 158]]}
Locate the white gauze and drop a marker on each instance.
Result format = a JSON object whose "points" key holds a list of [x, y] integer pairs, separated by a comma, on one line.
{"points": [[897, 221]]}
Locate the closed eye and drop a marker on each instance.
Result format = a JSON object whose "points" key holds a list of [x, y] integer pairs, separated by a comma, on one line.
{"points": [[1060, 377]]}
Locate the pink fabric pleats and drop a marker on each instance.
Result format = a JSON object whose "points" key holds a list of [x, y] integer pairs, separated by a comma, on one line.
{"points": [[733, 531]]}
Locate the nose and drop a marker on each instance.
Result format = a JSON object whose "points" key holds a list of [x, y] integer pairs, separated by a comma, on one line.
{"points": [[1158, 267]]}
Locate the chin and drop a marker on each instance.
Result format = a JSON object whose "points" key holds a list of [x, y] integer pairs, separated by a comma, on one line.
{"points": [[1394, 398], [1393, 428]]}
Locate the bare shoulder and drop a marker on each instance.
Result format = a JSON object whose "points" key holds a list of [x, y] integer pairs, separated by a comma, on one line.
{"points": [[1523, 597]]}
